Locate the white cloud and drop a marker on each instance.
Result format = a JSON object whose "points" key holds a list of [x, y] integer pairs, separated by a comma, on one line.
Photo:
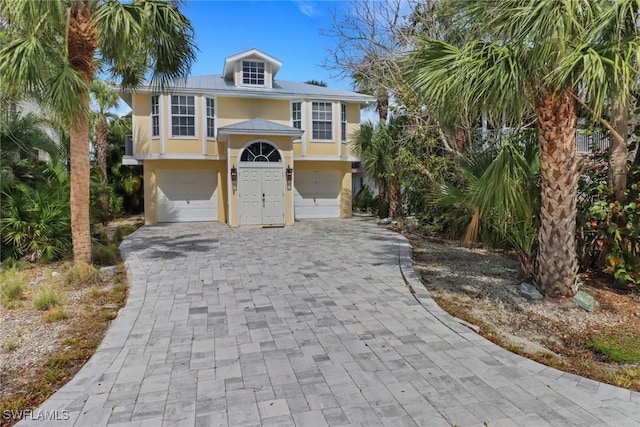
{"points": [[308, 8]]}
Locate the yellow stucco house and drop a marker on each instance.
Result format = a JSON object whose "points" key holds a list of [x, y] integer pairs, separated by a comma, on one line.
{"points": [[243, 147]]}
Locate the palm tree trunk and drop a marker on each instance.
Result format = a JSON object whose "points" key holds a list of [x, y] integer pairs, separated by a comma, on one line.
{"points": [[557, 262], [383, 107], [80, 221], [101, 155], [82, 44], [619, 151], [382, 196], [395, 193]]}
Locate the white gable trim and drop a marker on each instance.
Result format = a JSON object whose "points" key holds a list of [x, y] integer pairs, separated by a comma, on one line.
{"points": [[231, 61]]}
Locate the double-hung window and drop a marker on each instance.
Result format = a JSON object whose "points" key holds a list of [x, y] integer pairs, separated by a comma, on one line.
{"points": [[343, 122], [211, 118], [296, 115], [322, 121], [183, 115], [155, 115], [253, 73]]}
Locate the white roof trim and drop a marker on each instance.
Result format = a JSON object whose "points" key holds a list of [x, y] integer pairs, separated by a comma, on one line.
{"points": [[229, 61]]}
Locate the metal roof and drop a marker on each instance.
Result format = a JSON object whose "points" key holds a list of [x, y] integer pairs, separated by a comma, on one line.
{"points": [[259, 127], [282, 89]]}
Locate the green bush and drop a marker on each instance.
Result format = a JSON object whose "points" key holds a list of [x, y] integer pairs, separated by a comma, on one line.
{"points": [[35, 222], [364, 200], [104, 254], [610, 230], [47, 297]]}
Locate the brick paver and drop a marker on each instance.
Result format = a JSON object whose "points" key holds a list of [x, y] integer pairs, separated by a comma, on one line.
{"points": [[310, 325]]}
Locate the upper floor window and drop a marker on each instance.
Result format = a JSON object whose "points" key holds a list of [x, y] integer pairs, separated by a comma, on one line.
{"points": [[322, 120], [253, 73], [183, 115], [296, 115], [155, 115], [343, 122], [211, 118]]}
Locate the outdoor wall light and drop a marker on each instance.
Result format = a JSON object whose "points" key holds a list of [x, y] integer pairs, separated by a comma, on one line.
{"points": [[234, 174], [289, 174]]}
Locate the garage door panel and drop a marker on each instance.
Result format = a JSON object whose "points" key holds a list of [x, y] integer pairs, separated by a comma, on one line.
{"points": [[187, 195], [317, 194]]}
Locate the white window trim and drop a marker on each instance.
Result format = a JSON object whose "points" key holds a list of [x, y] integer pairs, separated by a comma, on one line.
{"points": [[293, 101], [264, 76], [343, 136], [195, 117], [333, 113], [159, 135], [205, 117]]}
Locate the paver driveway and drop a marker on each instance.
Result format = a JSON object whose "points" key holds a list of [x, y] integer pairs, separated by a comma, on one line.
{"points": [[310, 325]]}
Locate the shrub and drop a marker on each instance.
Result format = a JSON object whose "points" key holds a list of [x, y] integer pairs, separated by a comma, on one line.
{"points": [[35, 222], [47, 297], [364, 200], [12, 288], [610, 231], [104, 255], [81, 275]]}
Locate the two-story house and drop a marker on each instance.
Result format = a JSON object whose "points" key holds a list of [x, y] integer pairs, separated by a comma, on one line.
{"points": [[244, 147]]}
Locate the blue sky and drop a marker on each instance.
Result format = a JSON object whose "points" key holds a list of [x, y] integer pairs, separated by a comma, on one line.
{"points": [[287, 30]]}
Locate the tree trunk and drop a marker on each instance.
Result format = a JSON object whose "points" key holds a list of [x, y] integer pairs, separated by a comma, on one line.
{"points": [[557, 263], [618, 150], [82, 44], [382, 196], [383, 107], [101, 144], [395, 195], [102, 133]]}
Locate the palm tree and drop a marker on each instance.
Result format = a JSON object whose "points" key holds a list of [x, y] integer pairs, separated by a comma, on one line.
{"points": [[105, 99], [546, 56], [373, 152], [377, 146], [53, 48]]}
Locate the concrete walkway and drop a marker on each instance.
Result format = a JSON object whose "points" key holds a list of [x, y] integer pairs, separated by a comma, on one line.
{"points": [[311, 325]]}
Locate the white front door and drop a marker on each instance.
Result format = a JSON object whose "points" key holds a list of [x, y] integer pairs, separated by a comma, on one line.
{"points": [[261, 196]]}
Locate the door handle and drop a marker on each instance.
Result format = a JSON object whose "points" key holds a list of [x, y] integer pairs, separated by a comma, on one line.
{"points": [[263, 200]]}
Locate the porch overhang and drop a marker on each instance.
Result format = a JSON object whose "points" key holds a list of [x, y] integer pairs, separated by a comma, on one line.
{"points": [[260, 127]]}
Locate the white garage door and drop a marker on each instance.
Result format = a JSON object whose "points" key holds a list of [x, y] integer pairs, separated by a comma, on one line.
{"points": [[187, 195], [317, 194]]}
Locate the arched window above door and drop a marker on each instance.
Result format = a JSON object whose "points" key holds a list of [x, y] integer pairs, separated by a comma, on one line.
{"points": [[260, 152]]}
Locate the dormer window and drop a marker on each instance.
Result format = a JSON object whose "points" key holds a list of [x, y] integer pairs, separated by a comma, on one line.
{"points": [[253, 73]]}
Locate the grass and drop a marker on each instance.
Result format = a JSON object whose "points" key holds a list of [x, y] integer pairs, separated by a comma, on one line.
{"points": [[81, 275], [85, 334], [616, 346], [11, 345], [11, 288], [47, 297], [621, 344], [55, 314]]}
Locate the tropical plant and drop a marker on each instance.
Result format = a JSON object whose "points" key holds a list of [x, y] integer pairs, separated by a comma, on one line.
{"points": [[34, 222], [51, 51], [500, 191], [104, 98], [545, 57]]}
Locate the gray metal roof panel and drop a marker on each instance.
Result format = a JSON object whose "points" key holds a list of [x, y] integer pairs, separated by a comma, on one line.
{"points": [[260, 126], [281, 89]]}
